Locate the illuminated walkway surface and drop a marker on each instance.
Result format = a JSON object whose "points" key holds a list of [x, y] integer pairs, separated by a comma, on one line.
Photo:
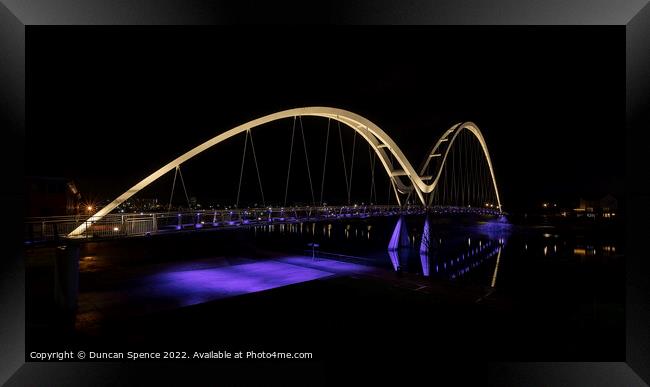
{"points": [[175, 288]]}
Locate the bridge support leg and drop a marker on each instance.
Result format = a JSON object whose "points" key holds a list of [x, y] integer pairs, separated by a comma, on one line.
{"points": [[66, 281], [425, 244], [400, 236]]}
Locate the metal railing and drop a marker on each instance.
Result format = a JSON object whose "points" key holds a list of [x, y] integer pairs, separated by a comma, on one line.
{"points": [[137, 224]]}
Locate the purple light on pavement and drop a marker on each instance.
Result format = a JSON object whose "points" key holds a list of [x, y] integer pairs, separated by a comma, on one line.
{"points": [[197, 286], [329, 265]]}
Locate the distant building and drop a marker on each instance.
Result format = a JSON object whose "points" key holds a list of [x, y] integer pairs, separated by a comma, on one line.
{"points": [[605, 207], [608, 203], [51, 196]]}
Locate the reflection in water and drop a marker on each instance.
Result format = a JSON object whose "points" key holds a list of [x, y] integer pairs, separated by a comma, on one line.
{"points": [[424, 259], [496, 269], [438, 248], [590, 250], [472, 259], [435, 249], [465, 248], [394, 259]]}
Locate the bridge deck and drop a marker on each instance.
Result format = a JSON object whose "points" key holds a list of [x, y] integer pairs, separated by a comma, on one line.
{"points": [[141, 224]]}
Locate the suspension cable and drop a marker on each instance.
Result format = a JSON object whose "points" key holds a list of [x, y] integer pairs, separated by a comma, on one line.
{"points": [[241, 172], [469, 176], [169, 208], [354, 145], [286, 189], [452, 191], [475, 162], [259, 179], [374, 167], [472, 172], [461, 174], [327, 140], [389, 189], [304, 143], [484, 198], [345, 168], [183, 182], [444, 184], [372, 161]]}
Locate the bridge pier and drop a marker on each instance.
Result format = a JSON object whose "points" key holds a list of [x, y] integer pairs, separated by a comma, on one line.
{"points": [[66, 281], [400, 237], [425, 244]]}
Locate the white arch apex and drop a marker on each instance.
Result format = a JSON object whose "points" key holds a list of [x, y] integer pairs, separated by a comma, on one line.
{"points": [[373, 134], [450, 136]]}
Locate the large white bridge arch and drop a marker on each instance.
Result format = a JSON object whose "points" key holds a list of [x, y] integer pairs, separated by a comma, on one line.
{"points": [[380, 142]]}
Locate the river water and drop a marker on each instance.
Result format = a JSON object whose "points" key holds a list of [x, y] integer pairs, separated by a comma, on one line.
{"points": [[478, 251]]}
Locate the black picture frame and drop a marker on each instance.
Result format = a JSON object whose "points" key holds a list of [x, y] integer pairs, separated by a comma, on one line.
{"points": [[17, 15]]}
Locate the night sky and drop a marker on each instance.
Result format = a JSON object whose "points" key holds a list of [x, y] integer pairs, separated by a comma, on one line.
{"points": [[108, 106]]}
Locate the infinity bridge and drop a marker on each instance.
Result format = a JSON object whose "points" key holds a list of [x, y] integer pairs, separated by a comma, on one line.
{"points": [[455, 176]]}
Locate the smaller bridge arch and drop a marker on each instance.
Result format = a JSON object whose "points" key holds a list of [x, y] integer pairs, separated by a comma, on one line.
{"points": [[449, 137]]}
